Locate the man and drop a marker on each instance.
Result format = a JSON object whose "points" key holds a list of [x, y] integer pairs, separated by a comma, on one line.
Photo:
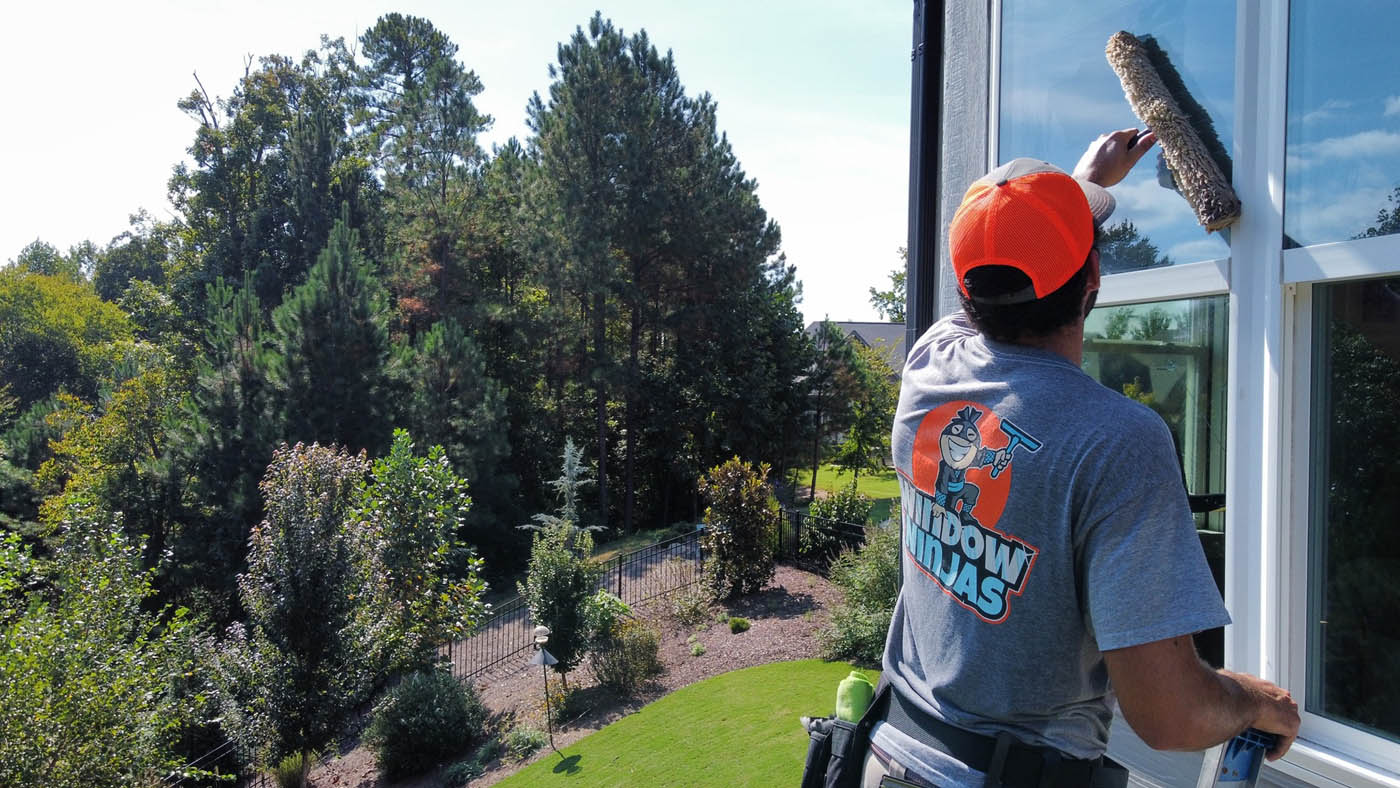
{"points": [[1079, 576]]}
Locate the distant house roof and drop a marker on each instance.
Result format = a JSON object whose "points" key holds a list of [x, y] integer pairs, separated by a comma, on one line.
{"points": [[888, 337]]}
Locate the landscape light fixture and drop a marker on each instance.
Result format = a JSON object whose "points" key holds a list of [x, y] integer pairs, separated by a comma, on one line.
{"points": [[544, 659]]}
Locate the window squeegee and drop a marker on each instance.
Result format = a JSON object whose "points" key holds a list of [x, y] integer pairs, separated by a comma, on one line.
{"points": [[1198, 162]]}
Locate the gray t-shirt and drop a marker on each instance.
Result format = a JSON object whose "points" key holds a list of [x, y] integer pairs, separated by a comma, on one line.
{"points": [[1044, 522]]}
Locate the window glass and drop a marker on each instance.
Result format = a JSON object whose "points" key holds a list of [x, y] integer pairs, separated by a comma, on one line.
{"points": [[1058, 93], [1171, 356], [1343, 148], [1354, 583]]}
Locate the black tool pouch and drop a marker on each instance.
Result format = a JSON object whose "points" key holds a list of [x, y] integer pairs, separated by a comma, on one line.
{"points": [[836, 750]]}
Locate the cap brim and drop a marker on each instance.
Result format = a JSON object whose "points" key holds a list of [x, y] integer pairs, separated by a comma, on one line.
{"points": [[1101, 202]]}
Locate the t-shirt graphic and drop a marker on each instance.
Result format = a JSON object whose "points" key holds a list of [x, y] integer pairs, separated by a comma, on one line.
{"points": [[952, 504]]}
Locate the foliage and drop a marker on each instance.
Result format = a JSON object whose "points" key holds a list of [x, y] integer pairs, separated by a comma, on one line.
{"points": [[867, 438], [427, 718], [891, 303], [690, 606], [834, 385], [299, 592], [823, 531], [54, 335], [86, 669], [869, 578], [560, 581], [291, 771], [523, 740], [422, 585], [628, 655], [573, 479], [332, 343], [741, 526], [697, 649], [1123, 248], [738, 624], [604, 612]]}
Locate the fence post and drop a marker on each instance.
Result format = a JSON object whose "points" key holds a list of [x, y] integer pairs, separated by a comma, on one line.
{"points": [[619, 575]]}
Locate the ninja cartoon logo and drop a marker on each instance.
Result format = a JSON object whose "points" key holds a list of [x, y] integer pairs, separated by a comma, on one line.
{"points": [[971, 561], [960, 448]]}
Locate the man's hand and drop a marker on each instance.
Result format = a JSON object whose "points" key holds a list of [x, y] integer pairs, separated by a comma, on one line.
{"points": [[1277, 711], [1110, 157], [1174, 702]]}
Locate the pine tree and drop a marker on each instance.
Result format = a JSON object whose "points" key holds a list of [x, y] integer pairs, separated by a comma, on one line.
{"points": [[332, 345]]}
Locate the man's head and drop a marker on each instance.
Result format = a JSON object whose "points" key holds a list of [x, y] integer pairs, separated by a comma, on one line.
{"points": [[1022, 244]]}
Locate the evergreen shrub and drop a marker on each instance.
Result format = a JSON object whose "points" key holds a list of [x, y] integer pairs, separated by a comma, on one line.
{"points": [[869, 578], [741, 526], [629, 656], [427, 718]]}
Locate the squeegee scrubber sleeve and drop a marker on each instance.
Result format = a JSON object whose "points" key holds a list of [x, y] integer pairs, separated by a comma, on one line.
{"points": [[1190, 107], [1206, 189]]}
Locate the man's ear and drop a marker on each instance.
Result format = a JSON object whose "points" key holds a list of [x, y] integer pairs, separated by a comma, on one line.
{"points": [[1091, 287]]}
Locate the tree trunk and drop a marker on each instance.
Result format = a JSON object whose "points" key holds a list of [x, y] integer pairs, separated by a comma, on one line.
{"points": [[816, 457], [601, 407], [629, 421]]}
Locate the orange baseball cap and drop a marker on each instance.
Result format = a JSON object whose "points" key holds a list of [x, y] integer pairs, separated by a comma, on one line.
{"points": [[1029, 215]]}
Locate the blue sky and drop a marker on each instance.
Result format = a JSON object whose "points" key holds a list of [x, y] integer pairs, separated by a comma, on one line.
{"points": [[814, 97]]}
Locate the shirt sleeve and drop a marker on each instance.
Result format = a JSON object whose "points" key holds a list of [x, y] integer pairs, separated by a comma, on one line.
{"points": [[1143, 574]]}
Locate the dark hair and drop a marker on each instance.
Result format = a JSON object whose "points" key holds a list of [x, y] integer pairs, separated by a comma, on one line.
{"points": [[1011, 322]]}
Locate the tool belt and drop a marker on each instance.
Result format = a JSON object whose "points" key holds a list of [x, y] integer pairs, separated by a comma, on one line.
{"points": [[1007, 762]]}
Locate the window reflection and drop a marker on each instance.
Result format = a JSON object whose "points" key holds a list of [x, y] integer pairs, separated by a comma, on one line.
{"points": [[1171, 356], [1354, 583], [1343, 145], [1058, 93]]}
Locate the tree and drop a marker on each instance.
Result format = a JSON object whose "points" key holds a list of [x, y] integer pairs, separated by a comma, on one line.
{"points": [[1123, 248], [447, 397], [54, 335], [867, 442], [740, 529], [300, 595], [86, 668], [39, 257], [423, 583], [890, 303], [834, 385], [573, 478], [560, 581], [332, 345]]}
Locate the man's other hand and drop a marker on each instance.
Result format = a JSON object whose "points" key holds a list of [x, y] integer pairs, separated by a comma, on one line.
{"points": [[1111, 157], [1277, 711]]}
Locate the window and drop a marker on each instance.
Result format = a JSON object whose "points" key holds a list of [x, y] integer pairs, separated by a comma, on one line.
{"points": [[1171, 357], [1343, 144], [1058, 93], [1353, 660]]}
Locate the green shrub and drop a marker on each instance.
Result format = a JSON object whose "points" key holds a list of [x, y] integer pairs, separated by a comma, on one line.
{"points": [[828, 518], [697, 649], [560, 584], [428, 717], [869, 578], [629, 657], [740, 529], [290, 771], [691, 606], [522, 741], [462, 772], [738, 624]]}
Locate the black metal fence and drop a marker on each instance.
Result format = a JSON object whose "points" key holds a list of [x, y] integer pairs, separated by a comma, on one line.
{"points": [[814, 542], [635, 577]]}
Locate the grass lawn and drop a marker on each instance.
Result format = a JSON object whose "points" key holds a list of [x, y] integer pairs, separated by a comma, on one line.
{"points": [[884, 484], [740, 728], [626, 544]]}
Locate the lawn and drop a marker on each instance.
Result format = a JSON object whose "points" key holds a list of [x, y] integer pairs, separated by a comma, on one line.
{"points": [[882, 488], [740, 728]]}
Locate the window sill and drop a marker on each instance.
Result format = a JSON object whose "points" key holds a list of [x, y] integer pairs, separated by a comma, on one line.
{"points": [[1315, 764]]}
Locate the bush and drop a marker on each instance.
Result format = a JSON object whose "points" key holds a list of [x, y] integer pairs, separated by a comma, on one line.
{"points": [[738, 624], [559, 587], [628, 657], [522, 741], [831, 521], [291, 769], [425, 719], [691, 606], [740, 529], [869, 578], [697, 649]]}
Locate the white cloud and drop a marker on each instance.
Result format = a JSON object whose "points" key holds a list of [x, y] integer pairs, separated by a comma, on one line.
{"points": [[1329, 109], [1392, 105], [1364, 144]]}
